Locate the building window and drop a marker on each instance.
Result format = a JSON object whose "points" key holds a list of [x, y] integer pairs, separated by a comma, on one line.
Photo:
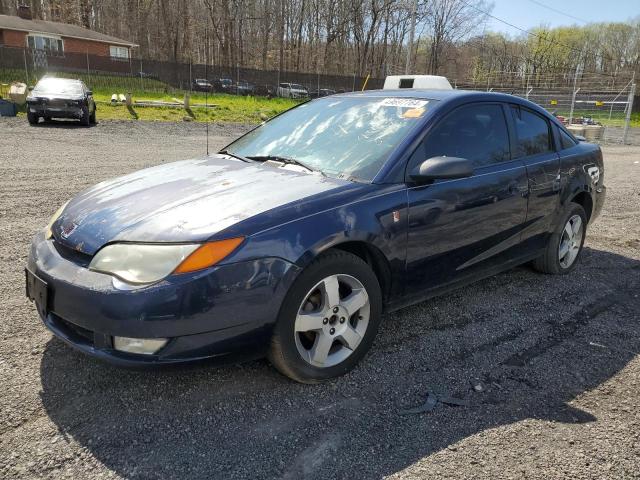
{"points": [[121, 53], [52, 45]]}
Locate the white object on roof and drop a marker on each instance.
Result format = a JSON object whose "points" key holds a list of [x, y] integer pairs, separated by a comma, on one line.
{"points": [[432, 82]]}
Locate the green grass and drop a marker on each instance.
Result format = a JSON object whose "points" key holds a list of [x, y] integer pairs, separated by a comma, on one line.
{"points": [[225, 108]]}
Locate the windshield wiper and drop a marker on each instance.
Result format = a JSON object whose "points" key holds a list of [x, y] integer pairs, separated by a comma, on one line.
{"points": [[286, 160], [234, 155]]}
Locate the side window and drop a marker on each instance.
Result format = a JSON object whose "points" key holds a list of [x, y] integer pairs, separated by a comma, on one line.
{"points": [[532, 132], [566, 141], [476, 132]]}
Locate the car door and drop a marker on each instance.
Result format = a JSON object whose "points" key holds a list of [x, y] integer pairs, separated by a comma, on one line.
{"points": [[535, 146], [457, 227]]}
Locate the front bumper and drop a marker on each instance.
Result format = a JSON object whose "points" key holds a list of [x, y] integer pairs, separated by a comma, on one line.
{"points": [[44, 110], [227, 310]]}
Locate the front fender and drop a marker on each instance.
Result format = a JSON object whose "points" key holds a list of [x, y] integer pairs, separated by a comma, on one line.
{"points": [[379, 220]]}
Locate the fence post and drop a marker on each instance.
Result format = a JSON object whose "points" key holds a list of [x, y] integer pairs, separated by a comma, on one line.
{"points": [[26, 70], [627, 120], [573, 102]]}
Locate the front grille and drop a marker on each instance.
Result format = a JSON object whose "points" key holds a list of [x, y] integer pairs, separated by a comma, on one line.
{"points": [[79, 258]]}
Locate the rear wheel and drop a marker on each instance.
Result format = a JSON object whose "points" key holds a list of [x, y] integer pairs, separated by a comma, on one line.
{"points": [[328, 319], [565, 244], [32, 118]]}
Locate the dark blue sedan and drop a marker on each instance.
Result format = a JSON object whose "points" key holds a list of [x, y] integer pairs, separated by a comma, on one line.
{"points": [[292, 241]]}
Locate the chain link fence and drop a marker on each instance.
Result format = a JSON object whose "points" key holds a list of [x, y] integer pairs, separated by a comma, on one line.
{"points": [[138, 75], [596, 106]]}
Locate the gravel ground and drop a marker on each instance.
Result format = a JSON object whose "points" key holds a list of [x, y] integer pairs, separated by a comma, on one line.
{"points": [[549, 365]]}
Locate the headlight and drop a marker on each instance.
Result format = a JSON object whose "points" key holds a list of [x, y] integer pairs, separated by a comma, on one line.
{"points": [[148, 263], [49, 232]]}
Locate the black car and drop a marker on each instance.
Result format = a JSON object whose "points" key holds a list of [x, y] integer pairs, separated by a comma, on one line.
{"points": [[265, 91], [223, 85], [61, 98], [322, 92], [244, 88], [202, 85]]}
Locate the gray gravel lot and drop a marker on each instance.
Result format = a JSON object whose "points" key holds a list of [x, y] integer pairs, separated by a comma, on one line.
{"points": [[555, 359]]}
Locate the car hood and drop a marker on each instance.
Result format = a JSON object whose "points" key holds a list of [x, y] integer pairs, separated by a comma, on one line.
{"points": [[182, 201]]}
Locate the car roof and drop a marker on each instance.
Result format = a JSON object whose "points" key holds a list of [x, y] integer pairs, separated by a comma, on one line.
{"points": [[444, 96], [427, 94]]}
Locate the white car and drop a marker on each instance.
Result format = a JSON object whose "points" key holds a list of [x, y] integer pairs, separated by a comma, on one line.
{"points": [[292, 90]]}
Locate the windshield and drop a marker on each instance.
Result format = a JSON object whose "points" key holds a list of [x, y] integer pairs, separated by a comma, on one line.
{"points": [[295, 86], [346, 137], [58, 86]]}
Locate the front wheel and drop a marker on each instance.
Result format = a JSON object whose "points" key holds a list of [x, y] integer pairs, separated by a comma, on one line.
{"points": [[328, 319], [565, 244], [85, 120], [32, 118]]}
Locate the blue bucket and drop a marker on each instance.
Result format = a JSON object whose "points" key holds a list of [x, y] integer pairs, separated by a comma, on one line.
{"points": [[8, 109]]}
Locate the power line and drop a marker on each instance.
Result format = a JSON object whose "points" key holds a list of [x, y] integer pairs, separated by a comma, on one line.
{"points": [[559, 11]]}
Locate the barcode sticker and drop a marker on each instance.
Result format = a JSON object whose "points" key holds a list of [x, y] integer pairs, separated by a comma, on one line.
{"points": [[403, 102]]}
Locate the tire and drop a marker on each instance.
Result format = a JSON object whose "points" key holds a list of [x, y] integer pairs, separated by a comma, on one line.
{"points": [[85, 120], [92, 118], [344, 322], [553, 261], [32, 118]]}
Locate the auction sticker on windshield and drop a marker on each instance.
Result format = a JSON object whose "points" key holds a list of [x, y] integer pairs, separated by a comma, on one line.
{"points": [[403, 102]]}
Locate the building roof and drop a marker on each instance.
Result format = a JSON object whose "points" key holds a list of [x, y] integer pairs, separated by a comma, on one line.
{"points": [[9, 22]]}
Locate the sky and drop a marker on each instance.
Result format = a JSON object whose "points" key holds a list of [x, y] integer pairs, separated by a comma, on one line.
{"points": [[531, 13]]}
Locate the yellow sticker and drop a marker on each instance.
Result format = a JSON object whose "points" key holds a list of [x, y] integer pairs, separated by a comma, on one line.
{"points": [[413, 113], [554, 102], [599, 104]]}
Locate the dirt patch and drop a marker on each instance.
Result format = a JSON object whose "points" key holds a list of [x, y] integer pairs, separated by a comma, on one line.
{"points": [[549, 365]]}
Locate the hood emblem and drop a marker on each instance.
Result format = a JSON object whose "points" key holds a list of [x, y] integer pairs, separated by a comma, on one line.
{"points": [[67, 230]]}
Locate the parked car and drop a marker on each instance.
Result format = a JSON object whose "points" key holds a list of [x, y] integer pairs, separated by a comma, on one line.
{"points": [[265, 90], [201, 85], [322, 92], [61, 98], [223, 85], [292, 245], [244, 88], [292, 90]]}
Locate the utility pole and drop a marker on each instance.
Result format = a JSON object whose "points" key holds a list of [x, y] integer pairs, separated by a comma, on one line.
{"points": [[412, 32]]}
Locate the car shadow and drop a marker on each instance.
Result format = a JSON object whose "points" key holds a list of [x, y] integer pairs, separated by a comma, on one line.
{"points": [[517, 346], [63, 123]]}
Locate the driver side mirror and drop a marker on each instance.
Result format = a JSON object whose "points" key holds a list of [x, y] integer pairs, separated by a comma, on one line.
{"points": [[442, 168], [89, 92]]}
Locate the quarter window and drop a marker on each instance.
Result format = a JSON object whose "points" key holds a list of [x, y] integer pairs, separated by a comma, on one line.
{"points": [[565, 139], [476, 132], [532, 132]]}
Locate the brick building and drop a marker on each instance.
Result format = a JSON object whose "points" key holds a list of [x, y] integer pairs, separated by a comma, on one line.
{"points": [[56, 38]]}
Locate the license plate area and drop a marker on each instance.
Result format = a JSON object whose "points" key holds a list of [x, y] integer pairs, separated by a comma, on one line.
{"points": [[37, 290]]}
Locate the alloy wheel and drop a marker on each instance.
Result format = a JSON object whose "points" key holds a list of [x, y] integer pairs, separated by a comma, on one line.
{"points": [[570, 241], [332, 320]]}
